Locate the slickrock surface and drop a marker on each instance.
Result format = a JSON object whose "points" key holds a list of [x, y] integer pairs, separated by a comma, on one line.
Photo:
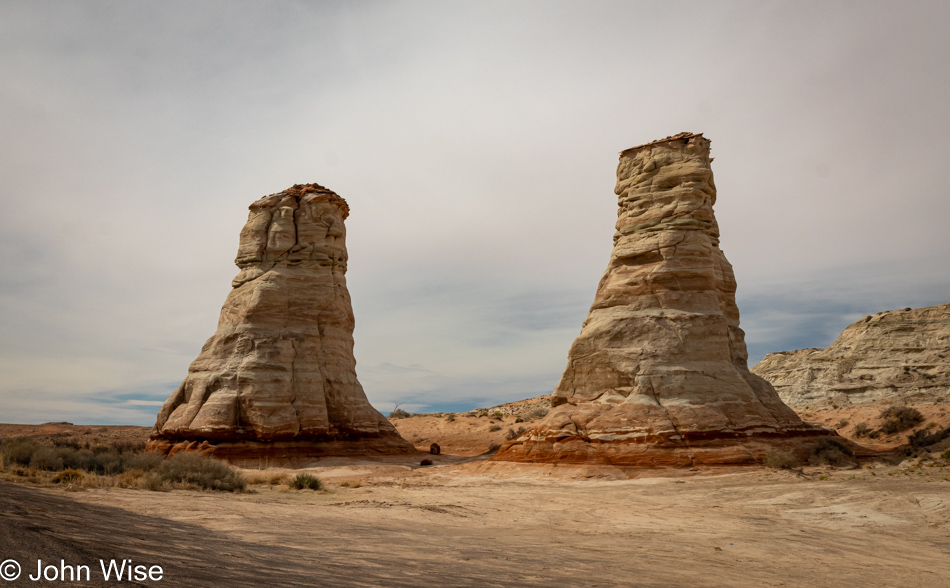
{"points": [[277, 380], [658, 375], [899, 355]]}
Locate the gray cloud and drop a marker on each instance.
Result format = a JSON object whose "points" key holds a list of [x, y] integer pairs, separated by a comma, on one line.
{"points": [[476, 144]]}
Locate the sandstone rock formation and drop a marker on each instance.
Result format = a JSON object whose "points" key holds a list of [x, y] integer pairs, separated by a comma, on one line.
{"points": [[899, 355], [277, 380], [658, 375]]}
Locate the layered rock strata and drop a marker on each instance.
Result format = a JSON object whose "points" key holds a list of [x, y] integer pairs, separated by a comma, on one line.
{"points": [[277, 380], [658, 375], [898, 355]]}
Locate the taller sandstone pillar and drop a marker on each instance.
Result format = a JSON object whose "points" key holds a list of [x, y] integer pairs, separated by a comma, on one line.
{"points": [[658, 375], [277, 380]]}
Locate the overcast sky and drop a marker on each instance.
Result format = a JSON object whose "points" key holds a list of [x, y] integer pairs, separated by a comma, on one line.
{"points": [[476, 143]]}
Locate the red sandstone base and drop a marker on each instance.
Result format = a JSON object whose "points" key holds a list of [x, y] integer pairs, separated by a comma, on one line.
{"points": [[292, 452], [706, 449]]}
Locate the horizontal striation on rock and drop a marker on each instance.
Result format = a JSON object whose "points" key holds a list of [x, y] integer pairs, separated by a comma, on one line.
{"points": [[899, 355], [658, 374], [280, 367]]}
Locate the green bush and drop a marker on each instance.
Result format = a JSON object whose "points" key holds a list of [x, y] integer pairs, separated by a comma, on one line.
{"points": [[900, 418], [781, 460], [306, 482], [195, 470]]}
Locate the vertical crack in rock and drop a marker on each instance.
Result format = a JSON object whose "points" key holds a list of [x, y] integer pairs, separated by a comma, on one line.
{"points": [[277, 380], [663, 325]]}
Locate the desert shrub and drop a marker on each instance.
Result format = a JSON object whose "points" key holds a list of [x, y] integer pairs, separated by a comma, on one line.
{"points": [[46, 458], [19, 450], [841, 424], [500, 415], [862, 430], [923, 438], [65, 441], [945, 454], [494, 428], [69, 477], [519, 419], [514, 433], [538, 413], [129, 479], [833, 453], [144, 462], [450, 417], [399, 414], [493, 447], [306, 482], [900, 418], [781, 460], [123, 447], [194, 469]]}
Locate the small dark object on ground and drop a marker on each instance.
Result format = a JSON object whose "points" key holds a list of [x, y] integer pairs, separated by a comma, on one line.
{"points": [[434, 449], [306, 482], [425, 462]]}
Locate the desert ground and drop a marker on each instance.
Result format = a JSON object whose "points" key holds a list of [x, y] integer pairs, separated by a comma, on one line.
{"points": [[467, 522]]}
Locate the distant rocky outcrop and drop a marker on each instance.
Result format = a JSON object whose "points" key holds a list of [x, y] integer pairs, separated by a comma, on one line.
{"points": [[658, 375], [277, 380], [898, 355]]}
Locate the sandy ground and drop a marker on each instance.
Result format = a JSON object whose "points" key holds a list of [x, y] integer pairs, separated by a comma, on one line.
{"points": [[471, 523]]}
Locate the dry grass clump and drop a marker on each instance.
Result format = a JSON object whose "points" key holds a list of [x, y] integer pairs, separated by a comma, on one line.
{"points": [[306, 482], [450, 417], [781, 460], [494, 428], [514, 433], [538, 413], [861, 430], [265, 477], [69, 477], [900, 418], [194, 471]]}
